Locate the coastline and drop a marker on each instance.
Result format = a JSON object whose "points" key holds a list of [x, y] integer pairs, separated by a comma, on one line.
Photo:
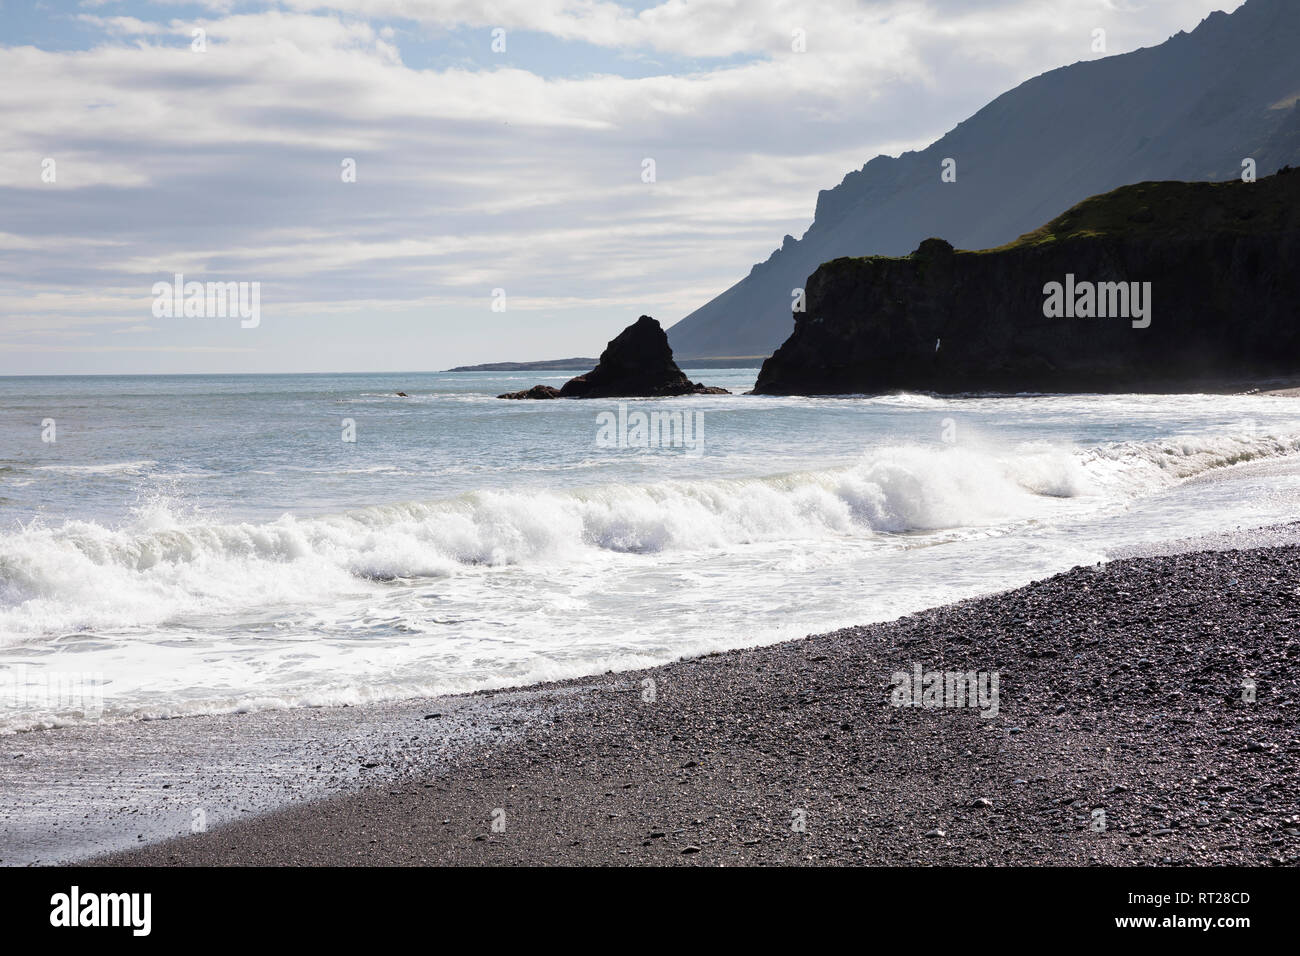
{"points": [[1121, 691], [70, 793]]}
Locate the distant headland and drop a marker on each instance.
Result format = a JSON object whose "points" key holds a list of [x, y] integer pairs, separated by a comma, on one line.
{"points": [[1069, 306], [583, 364]]}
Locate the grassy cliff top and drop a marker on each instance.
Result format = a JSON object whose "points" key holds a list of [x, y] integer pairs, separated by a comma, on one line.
{"points": [[1160, 210]]}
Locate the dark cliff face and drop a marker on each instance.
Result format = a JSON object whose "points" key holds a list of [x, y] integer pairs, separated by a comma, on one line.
{"points": [[1222, 262]]}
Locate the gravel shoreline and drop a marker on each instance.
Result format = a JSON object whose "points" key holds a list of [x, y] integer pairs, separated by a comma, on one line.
{"points": [[1124, 734]]}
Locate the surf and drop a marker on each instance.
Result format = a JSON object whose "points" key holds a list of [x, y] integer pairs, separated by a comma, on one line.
{"points": [[159, 566]]}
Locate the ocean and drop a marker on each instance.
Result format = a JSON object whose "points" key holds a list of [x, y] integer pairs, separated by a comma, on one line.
{"points": [[211, 544]]}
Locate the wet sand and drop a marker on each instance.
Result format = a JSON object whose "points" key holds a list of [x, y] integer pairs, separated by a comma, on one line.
{"points": [[1125, 734], [75, 792]]}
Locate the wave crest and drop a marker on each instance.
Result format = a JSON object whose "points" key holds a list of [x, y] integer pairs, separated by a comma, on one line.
{"points": [[159, 569]]}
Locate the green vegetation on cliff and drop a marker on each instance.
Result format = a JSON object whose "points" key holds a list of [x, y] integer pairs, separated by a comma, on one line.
{"points": [[1218, 260]]}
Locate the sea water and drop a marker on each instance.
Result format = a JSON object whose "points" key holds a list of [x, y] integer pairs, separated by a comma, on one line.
{"points": [[203, 544]]}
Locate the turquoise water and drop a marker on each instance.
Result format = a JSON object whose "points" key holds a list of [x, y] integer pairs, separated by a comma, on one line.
{"points": [[209, 543]]}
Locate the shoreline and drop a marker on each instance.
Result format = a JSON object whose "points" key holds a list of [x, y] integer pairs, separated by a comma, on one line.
{"points": [[1120, 692], [70, 793]]}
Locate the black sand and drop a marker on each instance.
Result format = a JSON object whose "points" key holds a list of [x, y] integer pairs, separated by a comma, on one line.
{"points": [[1123, 691]]}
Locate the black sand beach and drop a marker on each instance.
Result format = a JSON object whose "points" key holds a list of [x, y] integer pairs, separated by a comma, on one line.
{"points": [[1124, 735]]}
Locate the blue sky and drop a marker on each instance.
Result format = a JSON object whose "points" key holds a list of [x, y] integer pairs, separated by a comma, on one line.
{"points": [[476, 169]]}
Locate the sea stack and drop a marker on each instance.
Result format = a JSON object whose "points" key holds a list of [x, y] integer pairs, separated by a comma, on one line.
{"points": [[638, 363]]}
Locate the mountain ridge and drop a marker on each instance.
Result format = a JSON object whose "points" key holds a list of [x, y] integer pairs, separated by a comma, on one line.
{"points": [[1190, 108]]}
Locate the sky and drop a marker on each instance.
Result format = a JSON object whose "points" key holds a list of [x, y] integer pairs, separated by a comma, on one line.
{"points": [[417, 184]]}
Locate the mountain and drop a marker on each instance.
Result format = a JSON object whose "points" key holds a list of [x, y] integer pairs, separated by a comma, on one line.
{"points": [[1189, 109], [1156, 287]]}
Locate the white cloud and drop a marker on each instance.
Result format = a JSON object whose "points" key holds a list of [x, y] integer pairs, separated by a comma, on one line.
{"points": [[226, 164]]}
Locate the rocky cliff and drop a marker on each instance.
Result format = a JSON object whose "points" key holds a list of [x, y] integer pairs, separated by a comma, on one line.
{"points": [[637, 363], [1189, 109], [1153, 287]]}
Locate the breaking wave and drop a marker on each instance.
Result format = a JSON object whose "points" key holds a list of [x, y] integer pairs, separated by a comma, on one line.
{"points": [[159, 568]]}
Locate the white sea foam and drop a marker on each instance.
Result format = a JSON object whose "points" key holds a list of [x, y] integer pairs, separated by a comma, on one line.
{"points": [[504, 547], [115, 468], [160, 568]]}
